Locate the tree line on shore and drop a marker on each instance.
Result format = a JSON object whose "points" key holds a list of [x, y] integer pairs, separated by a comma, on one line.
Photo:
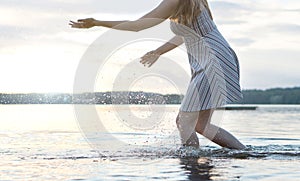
{"points": [[269, 96]]}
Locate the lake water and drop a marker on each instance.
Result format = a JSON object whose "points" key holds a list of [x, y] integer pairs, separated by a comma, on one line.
{"points": [[46, 142]]}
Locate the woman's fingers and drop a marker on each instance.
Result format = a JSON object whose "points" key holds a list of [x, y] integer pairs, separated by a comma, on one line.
{"points": [[82, 23], [148, 60], [150, 64], [75, 24], [144, 61]]}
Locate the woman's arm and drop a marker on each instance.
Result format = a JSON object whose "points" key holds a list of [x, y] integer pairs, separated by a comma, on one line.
{"points": [[151, 57], [162, 12], [170, 45]]}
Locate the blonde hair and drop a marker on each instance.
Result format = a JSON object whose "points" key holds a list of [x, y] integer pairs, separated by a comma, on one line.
{"points": [[188, 10]]}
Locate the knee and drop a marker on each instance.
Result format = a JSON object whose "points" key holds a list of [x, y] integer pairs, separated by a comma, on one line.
{"points": [[186, 120]]}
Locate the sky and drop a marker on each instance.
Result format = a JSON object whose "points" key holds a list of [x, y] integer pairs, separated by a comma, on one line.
{"points": [[39, 52]]}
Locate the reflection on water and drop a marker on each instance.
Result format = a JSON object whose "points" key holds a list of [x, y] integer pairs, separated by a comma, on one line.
{"points": [[198, 168], [54, 149]]}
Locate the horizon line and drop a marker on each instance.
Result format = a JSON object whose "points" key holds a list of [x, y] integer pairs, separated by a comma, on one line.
{"points": [[294, 87]]}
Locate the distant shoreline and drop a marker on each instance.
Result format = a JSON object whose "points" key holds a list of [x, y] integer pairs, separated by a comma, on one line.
{"points": [[269, 96]]}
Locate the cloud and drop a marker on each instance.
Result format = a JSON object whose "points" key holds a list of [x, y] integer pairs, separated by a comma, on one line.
{"points": [[47, 20], [227, 6], [241, 41], [292, 10], [87, 6], [264, 34], [286, 28], [229, 10], [261, 68], [230, 22]]}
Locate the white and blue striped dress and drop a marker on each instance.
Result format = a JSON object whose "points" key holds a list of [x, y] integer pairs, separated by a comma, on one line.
{"points": [[214, 65]]}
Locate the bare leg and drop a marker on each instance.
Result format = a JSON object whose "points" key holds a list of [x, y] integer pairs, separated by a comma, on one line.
{"points": [[223, 138], [214, 133], [186, 123], [192, 141]]}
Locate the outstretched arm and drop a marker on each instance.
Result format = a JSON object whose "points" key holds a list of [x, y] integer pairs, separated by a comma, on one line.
{"points": [[162, 12], [151, 57]]}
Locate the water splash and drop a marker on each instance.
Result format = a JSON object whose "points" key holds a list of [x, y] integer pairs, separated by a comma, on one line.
{"points": [[277, 152]]}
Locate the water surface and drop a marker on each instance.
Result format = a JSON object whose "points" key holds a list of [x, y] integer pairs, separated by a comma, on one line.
{"points": [[44, 142]]}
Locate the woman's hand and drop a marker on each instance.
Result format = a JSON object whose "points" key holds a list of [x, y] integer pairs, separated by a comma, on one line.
{"points": [[83, 23], [149, 58]]}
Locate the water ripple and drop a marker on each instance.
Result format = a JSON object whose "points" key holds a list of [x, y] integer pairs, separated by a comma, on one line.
{"points": [[279, 152]]}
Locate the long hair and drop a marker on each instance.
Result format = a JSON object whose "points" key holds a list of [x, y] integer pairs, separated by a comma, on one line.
{"points": [[188, 10]]}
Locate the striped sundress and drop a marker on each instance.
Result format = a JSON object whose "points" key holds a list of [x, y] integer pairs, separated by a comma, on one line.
{"points": [[215, 79]]}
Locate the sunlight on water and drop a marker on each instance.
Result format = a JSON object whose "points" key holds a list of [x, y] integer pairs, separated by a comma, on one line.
{"points": [[43, 142], [37, 118]]}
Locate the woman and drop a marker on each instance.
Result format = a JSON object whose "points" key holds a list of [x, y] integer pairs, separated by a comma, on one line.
{"points": [[214, 65]]}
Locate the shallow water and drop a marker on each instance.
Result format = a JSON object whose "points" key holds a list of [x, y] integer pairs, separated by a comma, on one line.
{"points": [[43, 142]]}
